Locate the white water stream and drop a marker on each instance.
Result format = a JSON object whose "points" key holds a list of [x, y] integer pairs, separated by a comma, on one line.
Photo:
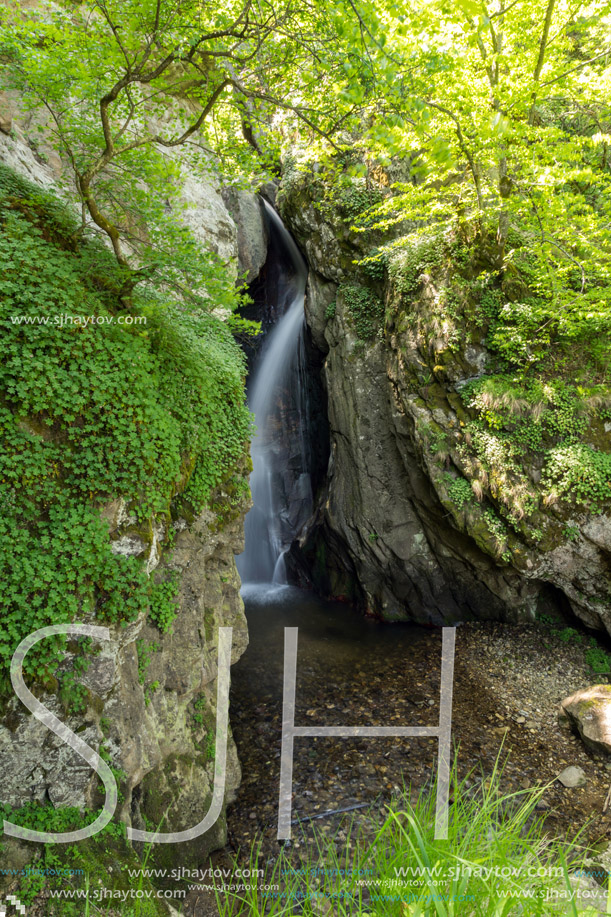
{"points": [[279, 379]]}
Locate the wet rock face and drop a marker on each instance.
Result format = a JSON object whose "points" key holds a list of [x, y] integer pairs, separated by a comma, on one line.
{"points": [[386, 532], [380, 536]]}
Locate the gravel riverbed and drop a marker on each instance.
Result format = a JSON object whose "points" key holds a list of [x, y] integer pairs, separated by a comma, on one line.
{"points": [[508, 685]]}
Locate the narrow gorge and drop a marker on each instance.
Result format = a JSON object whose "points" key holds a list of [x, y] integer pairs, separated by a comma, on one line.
{"points": [[305, 324]]}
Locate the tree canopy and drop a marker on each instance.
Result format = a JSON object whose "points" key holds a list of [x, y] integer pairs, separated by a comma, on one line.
{"points": [[133, 90], [499, 114], [503, 113]]}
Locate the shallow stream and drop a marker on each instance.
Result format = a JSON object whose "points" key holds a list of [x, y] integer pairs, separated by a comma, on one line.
{"points": [[350, 671]]}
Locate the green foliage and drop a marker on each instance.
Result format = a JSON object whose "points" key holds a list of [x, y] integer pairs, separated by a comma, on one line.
{"points": [[545, 619], [94, 412], [198, 716], [375, 265], [594, 654], [330, 311], [567, 421], [199, 705], [459, 491], [149, 691], [536, 411], [128, 66], [145, 651], [100, 861], [414, 256], [569, 635], [498, 530], [436, 439], [493, 151], [579, 474], [40, 817], [571, 532], [163, 603], [74, 696], [210, 745], [503, 196], [228, 498], [200, 708], [546, 416], [357, 199], [488, 308], [365, 309], [598, 660]]}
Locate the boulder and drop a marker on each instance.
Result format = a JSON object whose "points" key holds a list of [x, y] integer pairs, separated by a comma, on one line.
{"points": [[589, 713]]}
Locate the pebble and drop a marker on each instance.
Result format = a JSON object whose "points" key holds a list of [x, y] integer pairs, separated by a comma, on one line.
{"points": [[572, 777], [380, 689]]}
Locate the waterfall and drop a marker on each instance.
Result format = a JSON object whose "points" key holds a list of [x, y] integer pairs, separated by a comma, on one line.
{"points": [[280, 481]]}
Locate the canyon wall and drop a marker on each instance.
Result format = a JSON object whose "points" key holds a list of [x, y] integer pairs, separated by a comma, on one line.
{"points": [[412, 524], [148, 696]]}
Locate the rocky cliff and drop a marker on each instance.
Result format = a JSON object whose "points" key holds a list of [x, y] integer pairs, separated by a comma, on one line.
{"points": [[149, 705], [146, 700], [446, 495]]}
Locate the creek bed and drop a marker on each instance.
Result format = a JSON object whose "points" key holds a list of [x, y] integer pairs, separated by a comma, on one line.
{"points": [[508, 683]]}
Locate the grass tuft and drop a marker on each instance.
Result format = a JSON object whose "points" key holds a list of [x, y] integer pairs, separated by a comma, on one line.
{"points": [[497, 860]]}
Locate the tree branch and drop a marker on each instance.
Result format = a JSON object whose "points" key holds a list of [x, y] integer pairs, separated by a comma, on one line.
{"points": [[541, 57], [463, 145]]}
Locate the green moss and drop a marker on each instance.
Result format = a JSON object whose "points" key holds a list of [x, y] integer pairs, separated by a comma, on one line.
{"points": [[99, 862]]}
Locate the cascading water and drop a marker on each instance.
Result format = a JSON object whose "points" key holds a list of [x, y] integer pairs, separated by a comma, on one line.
{"points": [[280, 483]]}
